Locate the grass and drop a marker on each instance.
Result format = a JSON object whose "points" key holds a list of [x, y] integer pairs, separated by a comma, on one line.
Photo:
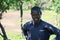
{"points": [[14, 36], [52, 37]]}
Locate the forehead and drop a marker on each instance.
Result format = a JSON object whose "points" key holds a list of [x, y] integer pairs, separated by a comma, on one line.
{"points": [[35, 12]]}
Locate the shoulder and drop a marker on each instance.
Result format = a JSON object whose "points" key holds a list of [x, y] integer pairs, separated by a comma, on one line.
{"points": [[46, 24], [27, 24]]}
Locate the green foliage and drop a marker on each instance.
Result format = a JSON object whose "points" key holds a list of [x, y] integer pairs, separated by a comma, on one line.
{"points": [[7, 4], [56, 5], [4, 5]]}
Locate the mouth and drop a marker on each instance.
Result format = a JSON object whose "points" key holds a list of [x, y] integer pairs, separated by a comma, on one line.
{"points": [[36, 19]]}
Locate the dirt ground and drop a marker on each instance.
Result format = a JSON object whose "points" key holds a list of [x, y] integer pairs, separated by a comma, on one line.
{"points": [[11, 21]]}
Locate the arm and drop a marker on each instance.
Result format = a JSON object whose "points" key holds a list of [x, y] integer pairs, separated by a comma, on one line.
{"points": [[24, 30], [57, 38], [52, 29]]}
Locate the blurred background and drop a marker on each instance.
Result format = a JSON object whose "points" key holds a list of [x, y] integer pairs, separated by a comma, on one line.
{"points": [[10, 12]]}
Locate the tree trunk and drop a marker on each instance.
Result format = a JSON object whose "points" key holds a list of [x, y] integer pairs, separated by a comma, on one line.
{"points": [[3, 32]]}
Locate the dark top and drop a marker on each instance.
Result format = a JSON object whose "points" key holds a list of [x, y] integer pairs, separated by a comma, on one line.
{"points": [[41, 31]]}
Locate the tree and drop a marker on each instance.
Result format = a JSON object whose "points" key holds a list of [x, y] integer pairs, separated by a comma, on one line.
{"points": [[3, 32], [4, 5]]}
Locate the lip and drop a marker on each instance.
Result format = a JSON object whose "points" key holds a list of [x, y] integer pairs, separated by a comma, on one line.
{"points": [[36, 19]]}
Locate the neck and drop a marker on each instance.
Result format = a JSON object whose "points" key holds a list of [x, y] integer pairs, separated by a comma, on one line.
{"points": [[36, 23]]}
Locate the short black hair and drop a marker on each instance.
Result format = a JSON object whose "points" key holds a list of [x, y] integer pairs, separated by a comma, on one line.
{"points": [[36, 8]]}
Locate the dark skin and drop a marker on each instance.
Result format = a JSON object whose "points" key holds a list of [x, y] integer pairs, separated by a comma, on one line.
{"points": [[36, 16]]}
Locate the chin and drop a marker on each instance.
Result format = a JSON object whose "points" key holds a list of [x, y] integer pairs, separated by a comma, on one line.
{"points": [[36, 20]]}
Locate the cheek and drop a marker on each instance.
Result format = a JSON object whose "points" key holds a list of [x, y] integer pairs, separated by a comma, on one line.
{"points": [[36, 16], [33, 17]]}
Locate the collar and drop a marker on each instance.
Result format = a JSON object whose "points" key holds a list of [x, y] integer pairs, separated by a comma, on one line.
{"points": [[38, 23]]}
